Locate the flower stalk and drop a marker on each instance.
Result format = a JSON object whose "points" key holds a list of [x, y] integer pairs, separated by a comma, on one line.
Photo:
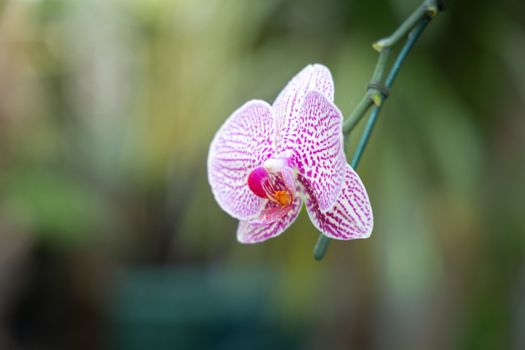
{"points": [[377, 91]]}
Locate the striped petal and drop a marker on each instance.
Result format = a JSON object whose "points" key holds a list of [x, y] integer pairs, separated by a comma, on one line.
{"points": [[317, 149], [255, 231], [287, 105], [351, 217], [243, 143]]}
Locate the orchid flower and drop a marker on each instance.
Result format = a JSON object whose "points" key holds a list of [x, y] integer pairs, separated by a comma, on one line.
{"points": [[266, 160]]}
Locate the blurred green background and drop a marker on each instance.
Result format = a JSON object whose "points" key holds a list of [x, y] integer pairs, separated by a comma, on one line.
{"points": [[109, 234]]}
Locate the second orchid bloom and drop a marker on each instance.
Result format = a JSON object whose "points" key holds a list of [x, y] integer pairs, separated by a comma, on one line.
{"points": [[266, 160]]}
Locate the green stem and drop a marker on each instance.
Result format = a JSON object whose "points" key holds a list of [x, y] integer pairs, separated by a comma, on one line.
{"points": [[320, 247], [414, 35], [382, 61], [372, 96], [359, 112], [414, 25], [428, 8]]}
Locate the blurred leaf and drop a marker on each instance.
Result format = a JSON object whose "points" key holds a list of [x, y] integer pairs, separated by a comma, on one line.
{"points": [[53, 205]]}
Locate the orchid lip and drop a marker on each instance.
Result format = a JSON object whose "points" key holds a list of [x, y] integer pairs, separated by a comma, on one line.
{"points": [[256, 180], [270, 185]]}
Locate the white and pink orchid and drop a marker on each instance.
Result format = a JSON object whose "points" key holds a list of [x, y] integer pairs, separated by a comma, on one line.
{"points": [[265, 160]]}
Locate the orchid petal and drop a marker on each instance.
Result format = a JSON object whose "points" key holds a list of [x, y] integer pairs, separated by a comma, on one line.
{"points": [[271, 212], [257, 231], [317, 149], [288, 104], [351, 217], [243, 142]]}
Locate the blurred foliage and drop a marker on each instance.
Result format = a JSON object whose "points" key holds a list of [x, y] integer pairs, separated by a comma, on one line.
{"points": [[107, 109]]}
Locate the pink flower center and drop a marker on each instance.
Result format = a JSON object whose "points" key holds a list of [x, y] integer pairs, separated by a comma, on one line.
{"points": [[272, 186]]}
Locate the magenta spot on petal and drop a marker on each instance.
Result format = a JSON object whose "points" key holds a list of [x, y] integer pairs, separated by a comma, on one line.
{"points": [[256, 180]]}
